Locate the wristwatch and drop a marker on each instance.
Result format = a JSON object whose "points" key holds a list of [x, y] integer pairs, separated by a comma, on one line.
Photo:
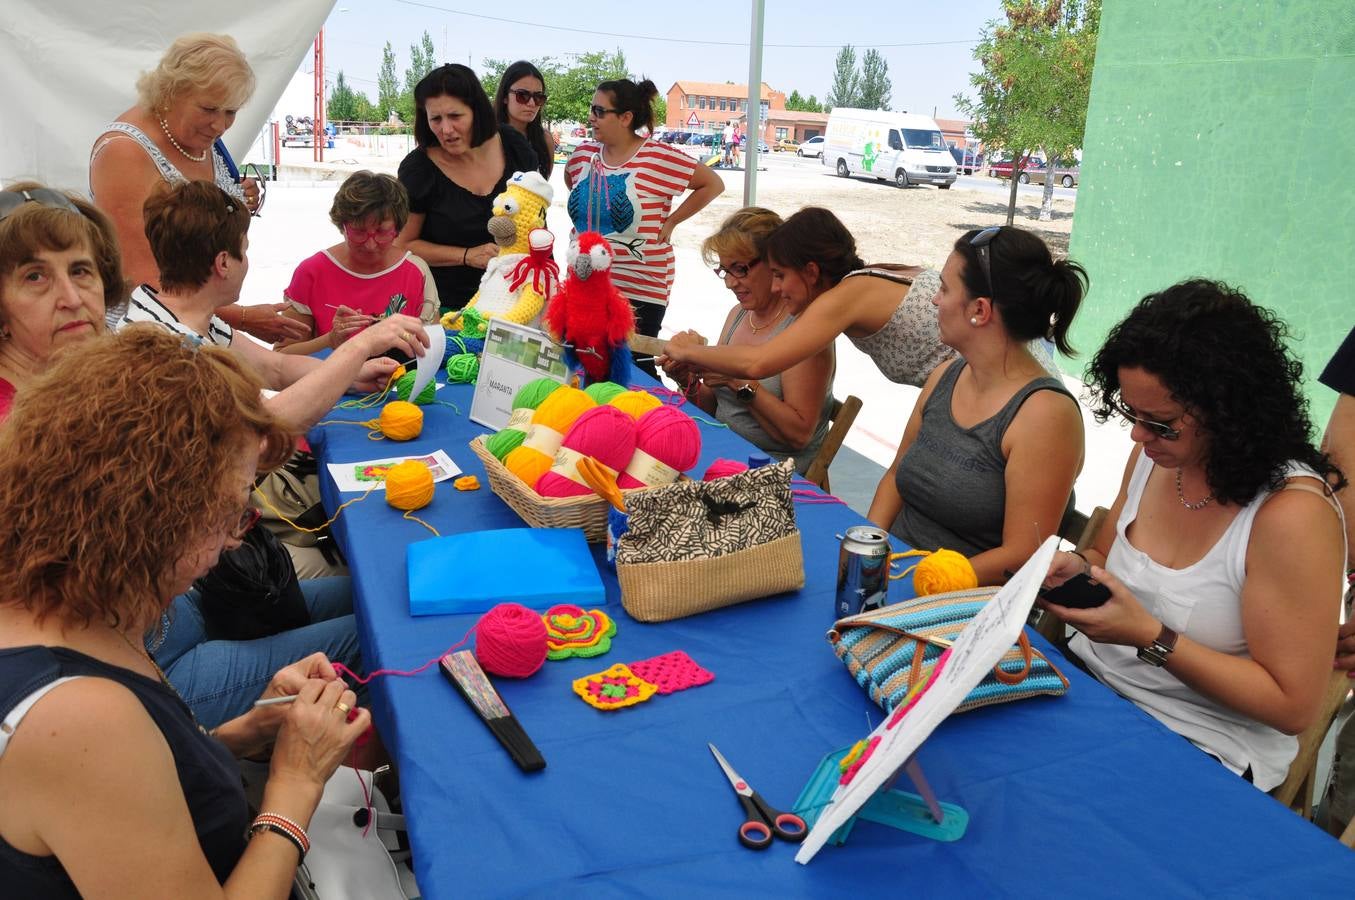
{"points": [[1157, 651], [745, 392]]}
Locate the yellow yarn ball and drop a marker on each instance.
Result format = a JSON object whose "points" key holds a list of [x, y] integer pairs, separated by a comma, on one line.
{"points": [[635, 403], [401, 420], [409, 485], [943, 570]]}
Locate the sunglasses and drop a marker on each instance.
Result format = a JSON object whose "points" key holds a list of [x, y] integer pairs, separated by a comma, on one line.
{"points": [[248, 519], [252, 170], [738, 270], [1161, 429], [13, 200], [363, 235], [980, 244], [525, 97], [600, 111]]}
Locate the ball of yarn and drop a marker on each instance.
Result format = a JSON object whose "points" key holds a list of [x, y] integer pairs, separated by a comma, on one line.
{"points": [[463, 368], [666, 434], [604, 391], [405, 383], [943, 570], [722, 467], [605, 433], [409, 485], [510, 640], [635, 403], [401, 420], [549, 424], [526, 401]]}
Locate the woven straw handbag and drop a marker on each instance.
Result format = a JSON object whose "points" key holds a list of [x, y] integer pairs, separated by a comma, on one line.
{"points": [[890, 650], [699, 545]]}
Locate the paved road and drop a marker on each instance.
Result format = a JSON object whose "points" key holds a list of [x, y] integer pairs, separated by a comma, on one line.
{"points": [[789, 163]]}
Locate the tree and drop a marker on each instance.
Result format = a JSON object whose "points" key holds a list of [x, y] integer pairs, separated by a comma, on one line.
{"points": [[343, 102], [1032, 90], [387, 85], [423, 58], [797, 103], [813, 105], [572, 91], [846, 89], [875, 85]]}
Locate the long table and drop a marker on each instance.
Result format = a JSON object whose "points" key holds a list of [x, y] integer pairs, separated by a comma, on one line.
{"points": [[1081, 795]]}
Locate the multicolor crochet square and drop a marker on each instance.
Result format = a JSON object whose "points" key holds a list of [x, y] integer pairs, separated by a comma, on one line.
{"points": [[572, 631], [674, 671], [614, 688]]}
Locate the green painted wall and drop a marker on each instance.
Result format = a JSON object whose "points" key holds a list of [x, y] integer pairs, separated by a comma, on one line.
{"points": [[1221, 142]]}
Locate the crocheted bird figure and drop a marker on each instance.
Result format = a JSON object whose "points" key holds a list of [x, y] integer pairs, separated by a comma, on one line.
{"points": [[590, 316], [517, 212]]}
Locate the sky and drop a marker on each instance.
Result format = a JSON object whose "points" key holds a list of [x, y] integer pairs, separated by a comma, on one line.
{"points": [[709, 42]]}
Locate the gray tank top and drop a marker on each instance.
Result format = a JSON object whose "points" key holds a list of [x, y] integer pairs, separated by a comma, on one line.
{"points": [[952, 479], [742, 422]]}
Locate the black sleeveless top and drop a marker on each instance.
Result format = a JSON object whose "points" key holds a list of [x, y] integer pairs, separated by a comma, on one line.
{"points": [[208, 774]]}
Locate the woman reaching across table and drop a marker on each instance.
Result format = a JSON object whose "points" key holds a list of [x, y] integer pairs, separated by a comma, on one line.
{"points": [[987, 462], [1224, 550]]}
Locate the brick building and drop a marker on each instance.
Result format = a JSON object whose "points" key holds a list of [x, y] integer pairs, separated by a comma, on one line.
{"points": [[707, 106]]}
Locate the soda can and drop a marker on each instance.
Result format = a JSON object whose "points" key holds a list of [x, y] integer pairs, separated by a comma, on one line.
{"points": [[862, 571]]}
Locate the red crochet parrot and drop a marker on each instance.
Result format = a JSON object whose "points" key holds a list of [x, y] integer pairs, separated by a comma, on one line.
{"points": [[588, 314]]}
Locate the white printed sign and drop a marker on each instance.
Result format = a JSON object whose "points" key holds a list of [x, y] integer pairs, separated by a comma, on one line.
{"points": [[514, 355]]}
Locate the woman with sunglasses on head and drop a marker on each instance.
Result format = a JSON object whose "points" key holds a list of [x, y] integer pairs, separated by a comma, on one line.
{"points": [[786, 415], [988, 459], [1224, 551], [184, 105], [365, 277], [463, 161], [622, 185], [117, 495], [520, 102], [884, 310]]}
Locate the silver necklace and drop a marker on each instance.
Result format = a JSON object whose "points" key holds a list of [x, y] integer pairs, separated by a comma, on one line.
{"points": [[1181, 495], [164, 126]]}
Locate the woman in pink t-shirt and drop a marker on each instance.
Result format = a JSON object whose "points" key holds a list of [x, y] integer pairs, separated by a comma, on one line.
{"points": [[363, 278]]}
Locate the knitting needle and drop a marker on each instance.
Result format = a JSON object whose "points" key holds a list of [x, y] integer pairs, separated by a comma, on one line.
{"points": [[274, 701]]}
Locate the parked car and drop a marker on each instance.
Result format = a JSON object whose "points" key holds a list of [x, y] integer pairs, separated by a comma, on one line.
{"points": [[1003, 168], [786, 144], [1067, 176], [967, 162], [811, 147]]}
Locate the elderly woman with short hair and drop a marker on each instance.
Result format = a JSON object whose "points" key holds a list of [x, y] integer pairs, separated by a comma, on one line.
{"points": [[183, 105]]}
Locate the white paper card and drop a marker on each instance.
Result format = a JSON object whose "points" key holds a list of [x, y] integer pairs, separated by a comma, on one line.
{"points": [[975, 651], [361, 477], [431, 361], [514, 355]]}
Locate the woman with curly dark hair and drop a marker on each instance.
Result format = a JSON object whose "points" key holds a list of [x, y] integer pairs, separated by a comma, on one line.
{"points": [[1224, 549]]}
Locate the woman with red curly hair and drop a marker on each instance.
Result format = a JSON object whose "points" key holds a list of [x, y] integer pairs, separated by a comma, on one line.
{"points": [[111, 786]]}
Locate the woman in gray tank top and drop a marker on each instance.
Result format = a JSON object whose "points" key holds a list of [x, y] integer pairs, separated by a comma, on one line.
{"points": [[988, 459]]}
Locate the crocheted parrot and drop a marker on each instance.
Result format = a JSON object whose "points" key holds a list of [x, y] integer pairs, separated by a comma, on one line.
{"points": [[589, 316], [518, 212]]}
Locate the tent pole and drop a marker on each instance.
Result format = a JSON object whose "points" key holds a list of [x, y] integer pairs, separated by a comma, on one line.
{"points": [[754, 131]]}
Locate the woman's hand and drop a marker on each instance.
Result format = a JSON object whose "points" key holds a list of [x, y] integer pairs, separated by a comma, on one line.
{"points": [[347, 322], [267, 323], [665, 235], [1345, 648], [1120, 620], [250, 187], [398, 332], [1064, 566], [479, 257], [287, 682], [317, 733]]}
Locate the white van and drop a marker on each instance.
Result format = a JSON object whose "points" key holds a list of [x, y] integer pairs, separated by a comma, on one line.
{"points": [[899, 147]]}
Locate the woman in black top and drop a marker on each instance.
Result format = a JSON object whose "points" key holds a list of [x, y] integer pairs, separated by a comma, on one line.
{"points": [[463, 161], [520, 101]]}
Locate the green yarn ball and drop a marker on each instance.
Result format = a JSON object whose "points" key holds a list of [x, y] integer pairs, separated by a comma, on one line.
{"points": [[406, 384], [463, 368], [534, 393], [502, 443], [602, 392]]}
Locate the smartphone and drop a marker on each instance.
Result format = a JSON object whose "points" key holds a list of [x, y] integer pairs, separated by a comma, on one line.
{"points": [[1078, 592]]}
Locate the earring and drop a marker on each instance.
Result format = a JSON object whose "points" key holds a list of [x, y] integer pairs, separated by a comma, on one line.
{"points": [[974, 321]]}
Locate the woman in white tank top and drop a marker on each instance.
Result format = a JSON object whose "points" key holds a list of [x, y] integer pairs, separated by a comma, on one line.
{"points": [[1224, 550]]}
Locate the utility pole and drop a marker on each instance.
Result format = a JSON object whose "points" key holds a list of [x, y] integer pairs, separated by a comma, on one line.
{"points": [[750, 155]]}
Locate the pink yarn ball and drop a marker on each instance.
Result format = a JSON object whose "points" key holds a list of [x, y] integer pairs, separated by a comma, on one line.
{"points": [[669, 435], [722, 467], [605, 433], [510, 640]]}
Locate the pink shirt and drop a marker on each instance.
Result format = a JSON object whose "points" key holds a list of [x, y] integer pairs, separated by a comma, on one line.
{"points": [[320, 284], [6, 398]]}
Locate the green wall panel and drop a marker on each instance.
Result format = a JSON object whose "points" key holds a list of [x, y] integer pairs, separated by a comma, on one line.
{"points": [[1221, 142]]}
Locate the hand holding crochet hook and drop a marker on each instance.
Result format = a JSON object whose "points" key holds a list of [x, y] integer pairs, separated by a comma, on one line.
{"points": [[763, 819]]}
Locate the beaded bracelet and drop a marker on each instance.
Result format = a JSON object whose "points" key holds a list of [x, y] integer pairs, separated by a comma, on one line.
{"points": [[283, 826]]}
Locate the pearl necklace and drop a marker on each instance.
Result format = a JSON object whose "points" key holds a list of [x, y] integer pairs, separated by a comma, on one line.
{"points": [[164, 126], [1181, 495]]}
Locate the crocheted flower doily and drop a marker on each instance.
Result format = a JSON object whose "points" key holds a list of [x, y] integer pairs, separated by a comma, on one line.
{"points": [[572, 631], [614, 688]]}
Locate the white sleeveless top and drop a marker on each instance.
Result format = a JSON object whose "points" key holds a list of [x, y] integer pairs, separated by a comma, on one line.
{"points": [[1204, 602]]}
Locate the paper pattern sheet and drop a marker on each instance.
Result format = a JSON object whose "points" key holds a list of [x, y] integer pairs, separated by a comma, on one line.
{"points": [[975, 651], [360, 477]]}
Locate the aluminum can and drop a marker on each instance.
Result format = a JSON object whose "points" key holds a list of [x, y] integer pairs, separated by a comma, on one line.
{"points": [[862, 571]]}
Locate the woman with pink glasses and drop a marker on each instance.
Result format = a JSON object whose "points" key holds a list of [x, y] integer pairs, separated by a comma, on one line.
{"points": [[364, 278]]}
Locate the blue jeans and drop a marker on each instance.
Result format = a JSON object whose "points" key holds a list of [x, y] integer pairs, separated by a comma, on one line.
{"points": [[220, 680]]}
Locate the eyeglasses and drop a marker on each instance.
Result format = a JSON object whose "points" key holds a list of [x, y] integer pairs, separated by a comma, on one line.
{"points": [[1161, 429], [738, 270], [252, 170], [600, 111], [248, 519], [363, 235], [525, 97], [980, 244], [13, 200]]}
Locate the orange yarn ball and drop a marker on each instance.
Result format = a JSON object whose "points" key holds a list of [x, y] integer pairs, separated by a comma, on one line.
{"points": [[409, 485], [401, 420], [547, 432]]}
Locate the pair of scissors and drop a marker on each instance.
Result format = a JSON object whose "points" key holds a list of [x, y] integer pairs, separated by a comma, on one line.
{"points": [[763, 819]]}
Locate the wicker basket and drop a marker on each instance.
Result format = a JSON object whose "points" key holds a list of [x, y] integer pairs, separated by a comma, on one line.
{"points": [[588, 512]]}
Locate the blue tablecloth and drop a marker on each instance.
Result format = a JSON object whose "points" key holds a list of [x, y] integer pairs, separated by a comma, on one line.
{"points": [[1081, 795]]}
